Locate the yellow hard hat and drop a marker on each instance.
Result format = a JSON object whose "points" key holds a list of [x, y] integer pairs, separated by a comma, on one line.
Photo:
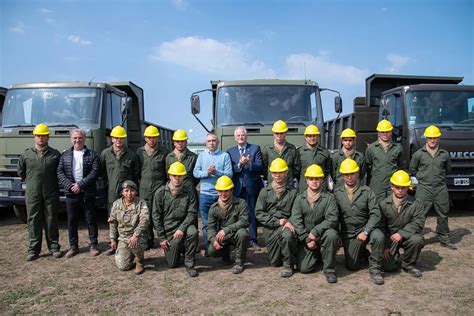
{"points": [[151, 131], [311, 130], [348, 166], [118, 132], [432, 132], [224, 183], [401, 178], [177, 169], [278, 165], [348, 133], [384, 126], [314, 171], [180, 135], [41, 129], [279, 127]]}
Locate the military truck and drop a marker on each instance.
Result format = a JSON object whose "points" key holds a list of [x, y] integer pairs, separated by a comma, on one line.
{"points": [[257, 104], [63, 106], [411, 103], [3, 91]]}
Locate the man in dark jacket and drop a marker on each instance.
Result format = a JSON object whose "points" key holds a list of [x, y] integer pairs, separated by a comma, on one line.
{"points": [[78, 171]]}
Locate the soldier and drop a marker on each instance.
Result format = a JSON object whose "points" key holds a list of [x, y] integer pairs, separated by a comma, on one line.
{"points": [[128, 220], [348, 138], [313, 153], [281, 149], [118, 164], [383, 157], [359, 218], [314, 218], [153, 175], [174, 210], [227, 225], [37, 166], [273, 211], [430, 165], [402, 221]]}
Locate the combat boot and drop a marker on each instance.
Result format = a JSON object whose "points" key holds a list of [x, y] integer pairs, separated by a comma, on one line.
{"points": [[377, 278], [72, 252], [139, 268]]}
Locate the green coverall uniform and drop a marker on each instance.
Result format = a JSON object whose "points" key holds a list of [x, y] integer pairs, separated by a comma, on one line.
{"points": [[409, 224], [338, 157], [360, 215], [380, 167], [189, 161], [291, 156], [234, 222], [42, 197], [319, 156], [171, 213], [127, 222], [321, 221], [269, 210], [432, 190]]}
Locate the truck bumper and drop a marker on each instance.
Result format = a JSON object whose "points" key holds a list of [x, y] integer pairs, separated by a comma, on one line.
{"points": [[460, 187]]}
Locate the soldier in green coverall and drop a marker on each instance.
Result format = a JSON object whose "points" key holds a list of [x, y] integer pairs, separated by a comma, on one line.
{"points": [[359, 218], [174, 209], [402, 222], [273, 210], [347, 150], [429, 165], [37, 166], [383, 157]]}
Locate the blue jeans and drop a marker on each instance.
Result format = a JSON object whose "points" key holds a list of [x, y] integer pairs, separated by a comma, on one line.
{"points": [[205, 202], [251, 201]]}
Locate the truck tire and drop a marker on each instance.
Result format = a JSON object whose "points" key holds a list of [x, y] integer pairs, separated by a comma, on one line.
{"points": [[20, 212]]}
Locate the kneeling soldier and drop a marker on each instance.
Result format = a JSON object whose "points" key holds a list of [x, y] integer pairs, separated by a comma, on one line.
{"points": [[403, 222], [359, 218], [129, 220], [174, 209], [314, 218], [227, 225], [273, 210]]}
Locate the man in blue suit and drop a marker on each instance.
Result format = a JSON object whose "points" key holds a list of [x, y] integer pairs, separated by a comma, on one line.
{"points": [[247, 168]]}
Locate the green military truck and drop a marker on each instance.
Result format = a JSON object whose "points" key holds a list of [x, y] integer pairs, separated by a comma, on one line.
{"points": [[411, 103], [257, 104], [63, 106]]}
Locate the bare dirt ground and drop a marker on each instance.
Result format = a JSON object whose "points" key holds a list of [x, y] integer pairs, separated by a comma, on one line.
{"points": [[87, 285]]}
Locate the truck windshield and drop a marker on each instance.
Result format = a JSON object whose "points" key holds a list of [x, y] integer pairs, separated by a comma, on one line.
{"points": [[265, 104], [54, 107], [441, 108]]}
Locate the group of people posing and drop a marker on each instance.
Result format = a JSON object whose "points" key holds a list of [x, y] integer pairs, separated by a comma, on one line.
{"points": [[152, 194]]}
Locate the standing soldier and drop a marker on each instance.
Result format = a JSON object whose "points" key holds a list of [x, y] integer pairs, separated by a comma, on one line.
{"points": [[128, 221], [348, 138], [359, 218], [313, 153], [281, 149], [118, 164], [78, 170], [174, 210], [153, 176], [383, 157], [273, 211], [314, 218], [403, 221], [37, 166], [227, 225], [430, 165]]}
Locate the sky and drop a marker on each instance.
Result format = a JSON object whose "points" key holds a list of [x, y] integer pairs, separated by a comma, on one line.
{"points": [[172, 48]]}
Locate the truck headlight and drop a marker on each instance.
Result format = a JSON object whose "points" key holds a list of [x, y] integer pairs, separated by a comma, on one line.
{"points": [[23, 186], [6, 185], [3, 193]]}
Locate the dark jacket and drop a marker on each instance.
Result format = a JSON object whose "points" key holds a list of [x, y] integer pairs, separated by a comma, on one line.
{"points": [[248, 175], [90, 171]]}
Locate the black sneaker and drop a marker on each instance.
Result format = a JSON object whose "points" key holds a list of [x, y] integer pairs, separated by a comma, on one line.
{"points": [[377, 278], [413, 271], [32, 257], [286, 273], [330, 277], [450, 245], [254, 246], [192, 272], [238, 268]]}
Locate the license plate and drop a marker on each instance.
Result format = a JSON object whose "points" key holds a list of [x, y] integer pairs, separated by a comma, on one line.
{"points": [[461, 181]]}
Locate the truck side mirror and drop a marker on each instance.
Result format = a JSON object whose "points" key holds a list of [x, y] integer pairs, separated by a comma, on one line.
{"points": [[338, 104], [125, 105], [195, 104]]}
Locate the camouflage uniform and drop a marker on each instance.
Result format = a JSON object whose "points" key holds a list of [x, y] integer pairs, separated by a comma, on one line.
{"points": [[127, 222]]}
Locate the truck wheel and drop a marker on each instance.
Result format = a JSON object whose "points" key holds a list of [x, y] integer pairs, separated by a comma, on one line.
{"points": [[20, 212]]}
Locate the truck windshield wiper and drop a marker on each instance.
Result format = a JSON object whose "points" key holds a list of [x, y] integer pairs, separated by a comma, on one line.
{"points": [[244, 124], [64, 125], [20, 125]]}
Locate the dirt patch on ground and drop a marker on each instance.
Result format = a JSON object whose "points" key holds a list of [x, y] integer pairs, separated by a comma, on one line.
{"points": [[87, 285]]}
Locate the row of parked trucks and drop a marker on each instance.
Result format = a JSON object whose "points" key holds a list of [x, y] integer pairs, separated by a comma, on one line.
{"points": [[411, 103]]}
